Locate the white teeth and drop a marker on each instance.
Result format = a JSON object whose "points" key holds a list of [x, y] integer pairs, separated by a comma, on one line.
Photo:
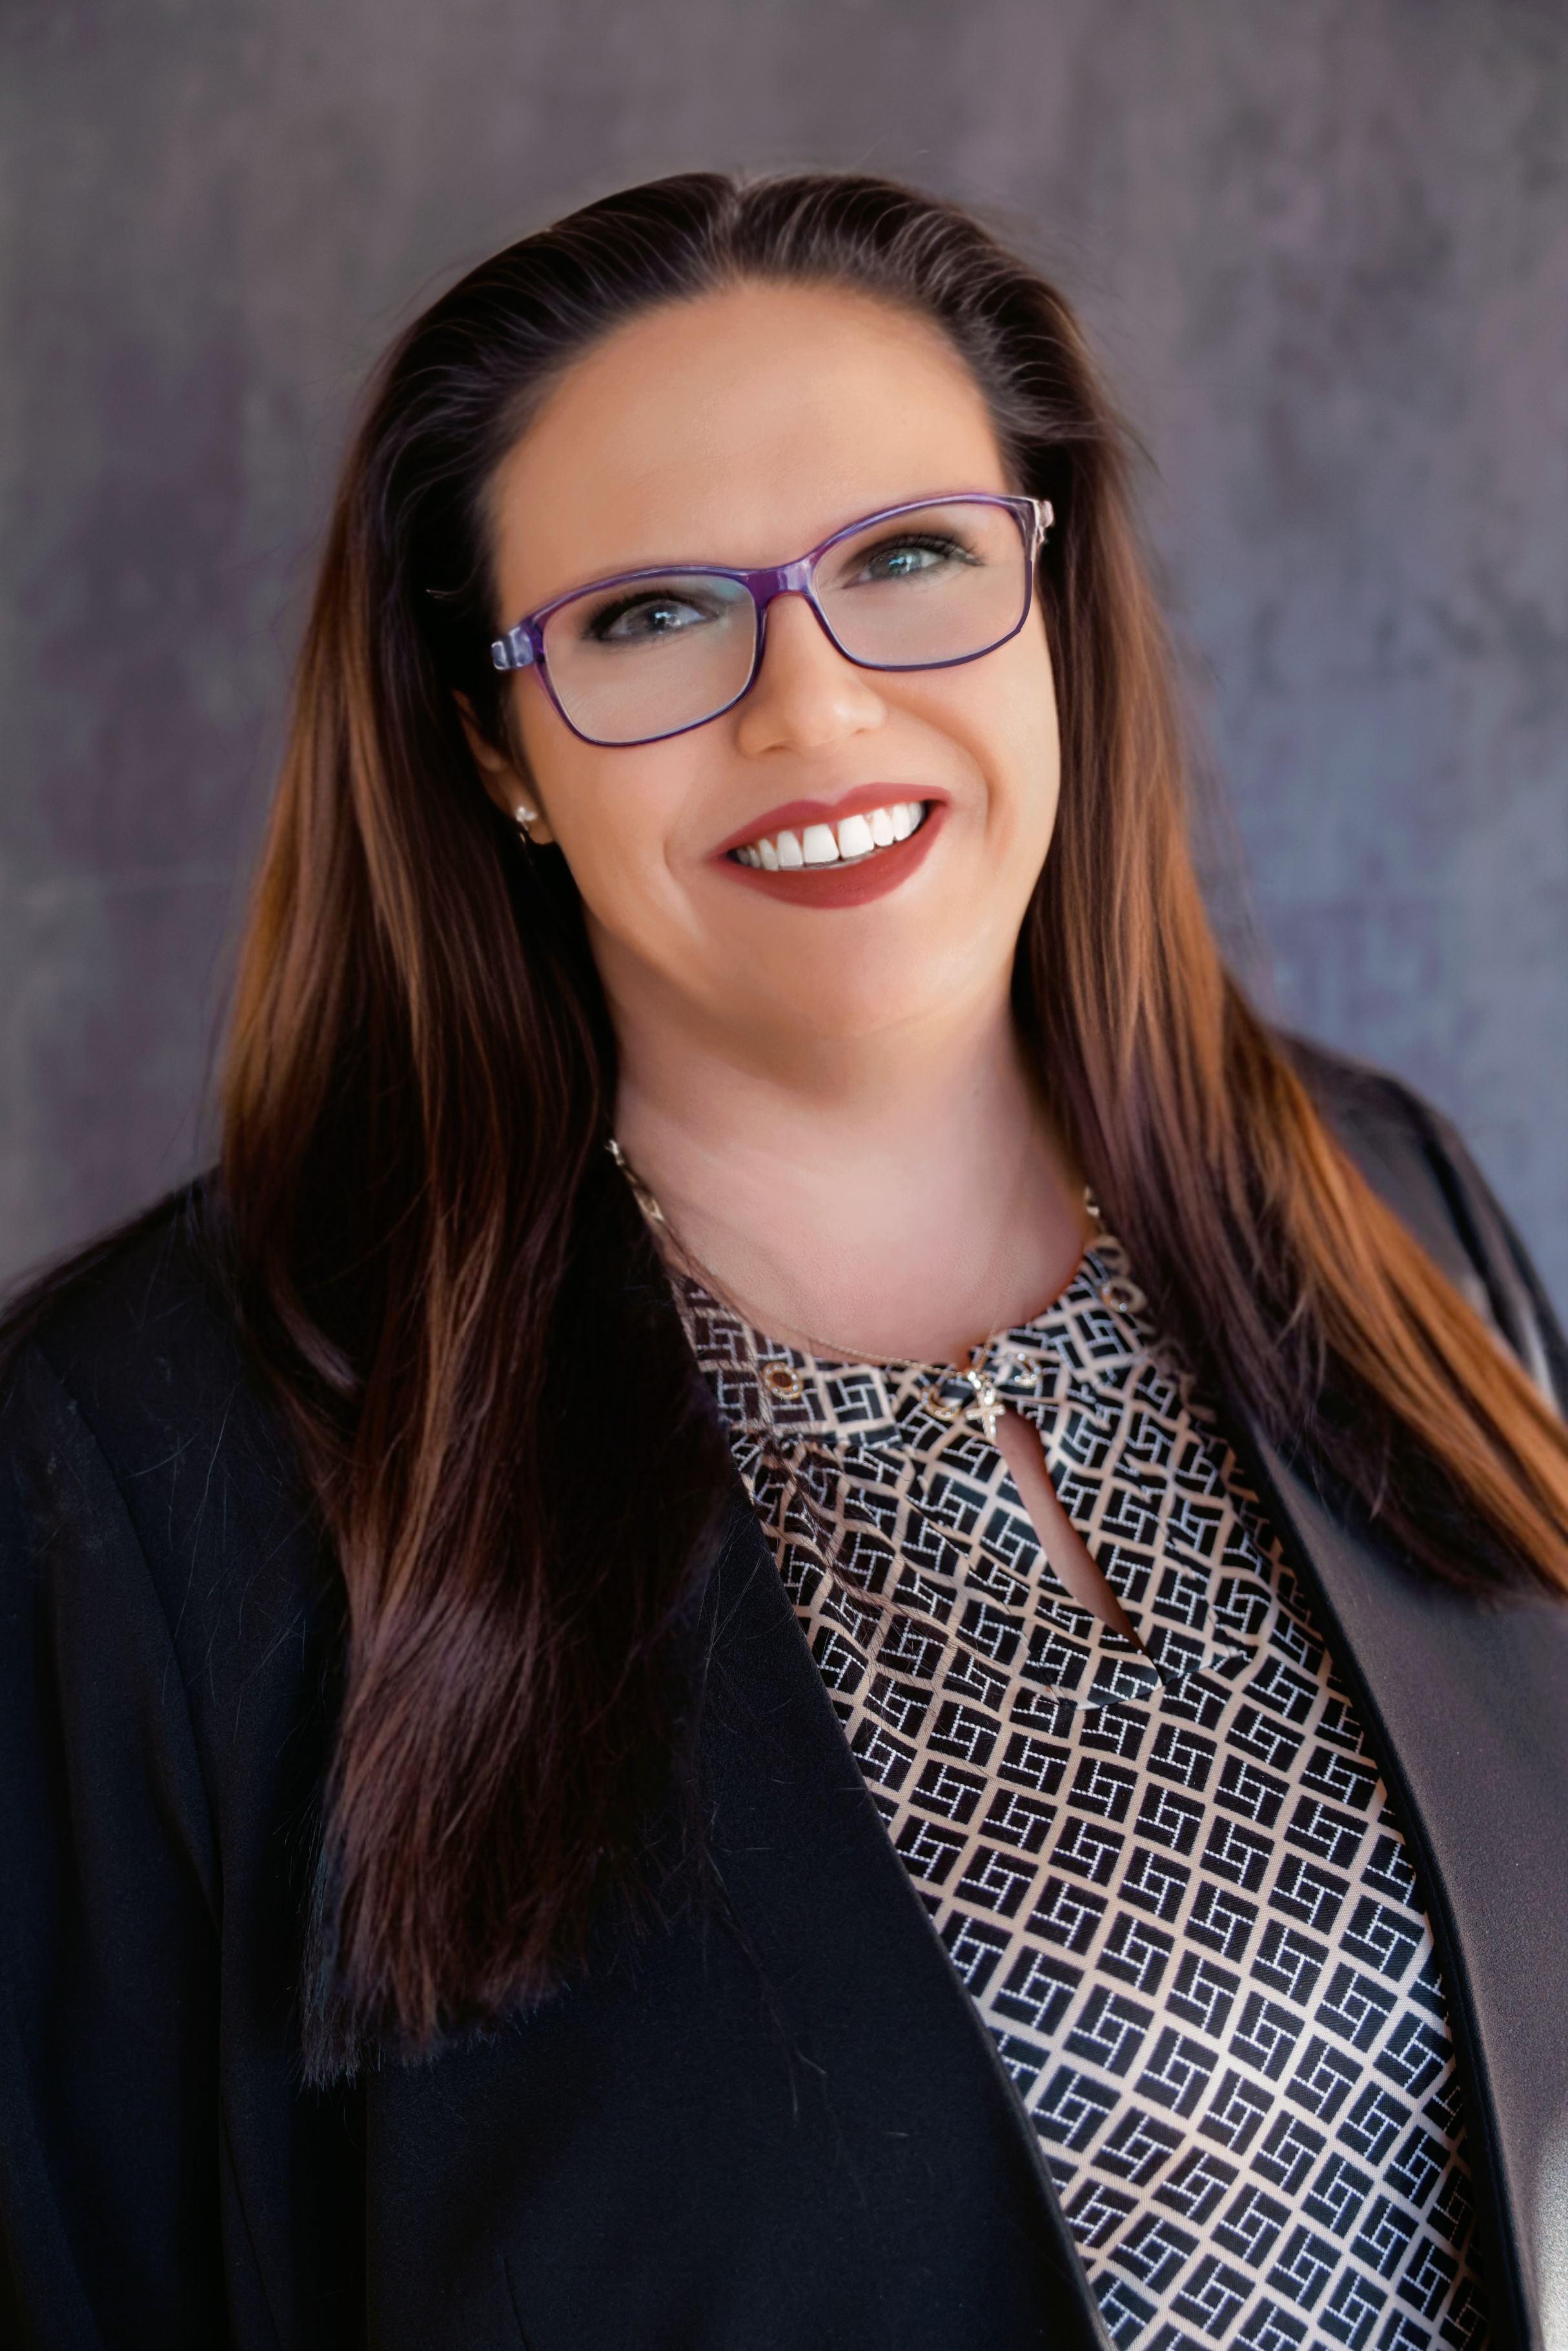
{"points": [[851, 838]]}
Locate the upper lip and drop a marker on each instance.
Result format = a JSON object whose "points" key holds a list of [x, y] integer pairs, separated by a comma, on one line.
{"points": [[791, 815]]}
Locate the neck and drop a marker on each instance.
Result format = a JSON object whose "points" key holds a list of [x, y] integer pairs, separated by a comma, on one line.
{"points": [[900, 1196]]}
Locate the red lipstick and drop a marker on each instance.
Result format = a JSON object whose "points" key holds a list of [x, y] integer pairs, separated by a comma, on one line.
{"points": [[838, 885]]}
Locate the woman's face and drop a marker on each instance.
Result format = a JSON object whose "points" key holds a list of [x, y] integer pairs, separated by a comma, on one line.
{"points": [[742, 429]]}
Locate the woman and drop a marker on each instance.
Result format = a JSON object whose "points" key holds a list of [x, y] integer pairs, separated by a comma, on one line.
{"points": [[811, 1606]]}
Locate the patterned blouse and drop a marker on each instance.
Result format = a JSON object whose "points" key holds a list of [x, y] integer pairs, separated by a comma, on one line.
{"points": [[1169, 1877]]}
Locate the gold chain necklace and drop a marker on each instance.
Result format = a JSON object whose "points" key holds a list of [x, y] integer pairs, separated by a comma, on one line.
{"points": [[783, 1381]]}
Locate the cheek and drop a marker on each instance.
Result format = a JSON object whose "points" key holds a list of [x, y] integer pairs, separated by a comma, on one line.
{"points": [[609, 811], [1000, 713], [1022, 738], [1021, 700]]}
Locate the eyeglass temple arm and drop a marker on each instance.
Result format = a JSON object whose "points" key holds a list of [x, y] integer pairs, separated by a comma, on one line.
{"points": [[513, 651]]}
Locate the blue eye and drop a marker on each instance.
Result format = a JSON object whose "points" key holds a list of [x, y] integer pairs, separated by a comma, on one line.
{"points": [[906, 559], [637, 618], [914, 557]]}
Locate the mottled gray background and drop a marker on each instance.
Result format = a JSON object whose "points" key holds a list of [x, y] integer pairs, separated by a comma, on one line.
{"points": [[1322, 244]]}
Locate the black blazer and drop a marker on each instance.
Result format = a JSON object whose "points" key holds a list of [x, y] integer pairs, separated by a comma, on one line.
{"points": [[789, 2131]]}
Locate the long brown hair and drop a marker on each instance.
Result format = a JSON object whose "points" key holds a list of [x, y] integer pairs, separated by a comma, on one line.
{"points": [[441, 1276]]}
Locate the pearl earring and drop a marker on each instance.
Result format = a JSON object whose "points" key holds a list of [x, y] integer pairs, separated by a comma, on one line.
{"points": [[526, 816]]}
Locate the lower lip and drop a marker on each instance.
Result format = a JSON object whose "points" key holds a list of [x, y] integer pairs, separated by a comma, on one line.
{"points": [[844, 885]]}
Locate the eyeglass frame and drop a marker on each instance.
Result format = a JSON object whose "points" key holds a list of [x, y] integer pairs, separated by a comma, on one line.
{"points": [[522, 647]]}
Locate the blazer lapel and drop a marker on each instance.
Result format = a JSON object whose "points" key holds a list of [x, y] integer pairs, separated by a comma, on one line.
{"points": [[777, 2120], [807, 1863], [1465, 1703]]}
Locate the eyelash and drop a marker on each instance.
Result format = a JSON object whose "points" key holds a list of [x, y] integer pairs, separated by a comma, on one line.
{"points": [[934, 542], [602, 619]]}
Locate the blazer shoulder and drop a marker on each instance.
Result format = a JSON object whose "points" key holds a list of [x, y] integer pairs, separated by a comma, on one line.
{"points": [[131, 1348], [1413, 1156], [1386, 1125], [151, 1289], [139, 1328]]}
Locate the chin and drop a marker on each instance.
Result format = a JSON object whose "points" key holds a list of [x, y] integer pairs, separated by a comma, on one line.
{"points": [[851, 1005]]}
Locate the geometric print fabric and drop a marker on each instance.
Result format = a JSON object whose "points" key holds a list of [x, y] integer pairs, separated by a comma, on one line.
{"points": [[1167, 1872]]}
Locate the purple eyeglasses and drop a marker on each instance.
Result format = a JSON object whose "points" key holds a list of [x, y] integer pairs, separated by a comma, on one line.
{"points": [[645, 654]]}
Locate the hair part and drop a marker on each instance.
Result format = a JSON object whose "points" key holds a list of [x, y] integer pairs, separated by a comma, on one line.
{"points": [[439, 1271]]}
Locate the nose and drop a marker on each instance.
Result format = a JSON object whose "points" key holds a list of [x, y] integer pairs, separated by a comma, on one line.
{"points": [[806, 695]]}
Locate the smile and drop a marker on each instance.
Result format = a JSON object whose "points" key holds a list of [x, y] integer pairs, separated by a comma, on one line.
{"points": [[865, 855], [848, 842]]}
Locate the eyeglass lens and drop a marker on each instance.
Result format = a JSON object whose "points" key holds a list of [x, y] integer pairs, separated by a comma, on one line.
{"points": [[650, 657]]}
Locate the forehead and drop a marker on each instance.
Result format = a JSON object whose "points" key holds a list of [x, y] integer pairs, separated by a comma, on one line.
{"points": [[741, 427]]}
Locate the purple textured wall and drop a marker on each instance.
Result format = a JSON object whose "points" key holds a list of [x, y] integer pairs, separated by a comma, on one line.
{"points": [[1323, 245]]}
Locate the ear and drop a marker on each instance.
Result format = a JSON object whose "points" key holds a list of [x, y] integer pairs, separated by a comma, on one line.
{"points": [[499, 774]]}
